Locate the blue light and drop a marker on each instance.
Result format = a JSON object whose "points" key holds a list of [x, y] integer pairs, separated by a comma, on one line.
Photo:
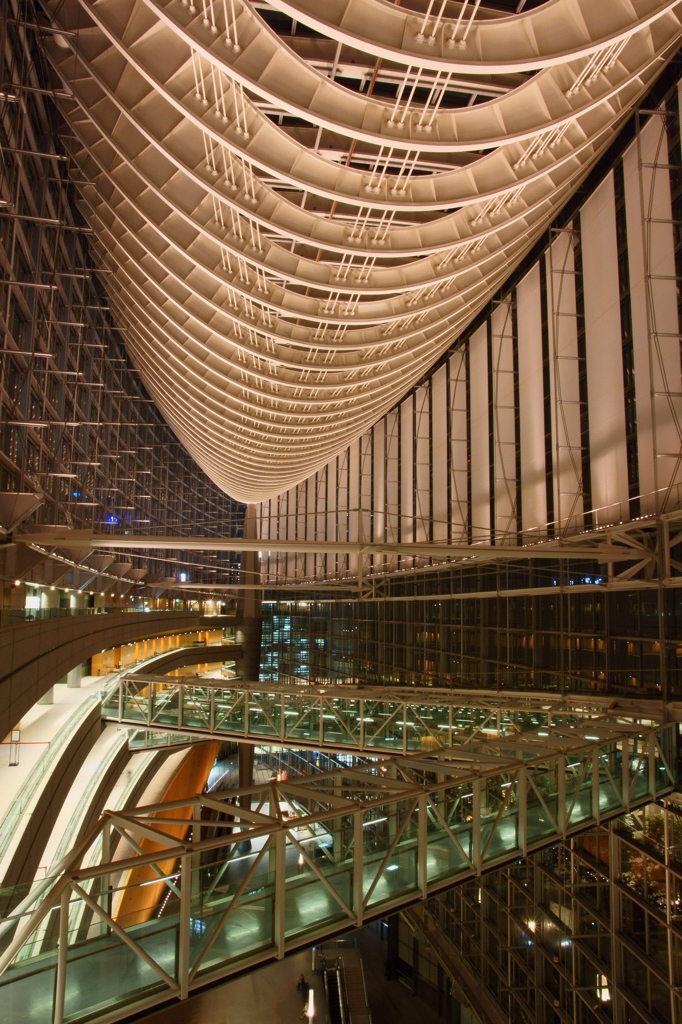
{"points": [[112, 519], [76, 494]]}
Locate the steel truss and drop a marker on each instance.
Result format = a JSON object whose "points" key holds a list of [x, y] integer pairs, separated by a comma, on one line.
{"points": [[377, 719], [211, 885]]}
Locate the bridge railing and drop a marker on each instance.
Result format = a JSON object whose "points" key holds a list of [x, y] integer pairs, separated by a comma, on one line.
{"points": [[382, 720], [284, 864]]}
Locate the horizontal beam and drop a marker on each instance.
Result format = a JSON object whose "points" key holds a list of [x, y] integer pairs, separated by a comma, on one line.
{"points": [[86, 541], [364, 720]]}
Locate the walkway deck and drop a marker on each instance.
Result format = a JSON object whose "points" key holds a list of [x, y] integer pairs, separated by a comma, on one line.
{"points": [[285, 864]]}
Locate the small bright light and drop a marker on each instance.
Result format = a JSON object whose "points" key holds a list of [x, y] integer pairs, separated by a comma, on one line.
{"points": [[310, 1012], [392, 867], [17, 583], [603, 992], [531, 926], [52, 588]]}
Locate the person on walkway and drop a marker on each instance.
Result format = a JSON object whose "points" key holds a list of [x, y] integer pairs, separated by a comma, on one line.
{"points": [[303, 987]]}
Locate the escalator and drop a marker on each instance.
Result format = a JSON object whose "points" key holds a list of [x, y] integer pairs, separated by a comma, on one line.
{"points": [[334, 992]]}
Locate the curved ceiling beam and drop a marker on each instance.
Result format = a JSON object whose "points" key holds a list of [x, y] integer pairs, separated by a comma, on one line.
{"points": [[277, 302], [555, 33]]}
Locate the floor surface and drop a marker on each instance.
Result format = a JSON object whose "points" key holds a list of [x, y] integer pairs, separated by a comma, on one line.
{"points": [[269, 996]]}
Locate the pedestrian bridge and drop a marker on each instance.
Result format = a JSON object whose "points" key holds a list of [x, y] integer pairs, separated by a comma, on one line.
{"points": [[360, 720], [156, 902]]}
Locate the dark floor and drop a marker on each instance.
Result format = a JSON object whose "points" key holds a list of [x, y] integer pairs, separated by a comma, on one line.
{"points": [[390, 1001], [268, 995]]}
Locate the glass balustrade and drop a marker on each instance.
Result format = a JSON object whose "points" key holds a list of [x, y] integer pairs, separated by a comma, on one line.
{"points": [[328, 718], [332, 851]]}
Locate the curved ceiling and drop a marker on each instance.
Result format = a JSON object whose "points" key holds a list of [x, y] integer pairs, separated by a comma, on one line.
{"points": [[302, 204]]}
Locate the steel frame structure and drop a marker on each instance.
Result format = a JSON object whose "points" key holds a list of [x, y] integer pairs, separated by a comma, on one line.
{"points": [[385, 834], [78, 433], [605, 938], [370, 720], [645, 554], [341, 238]]}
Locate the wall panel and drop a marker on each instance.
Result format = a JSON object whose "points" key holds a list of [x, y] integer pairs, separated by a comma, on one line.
{"points": [[459, 450], [504, 422], [439, 453], [654, 309], [407, 470], [480, 436], [564, 383], [531, 405], [604, 355], [539, 393], [422, 463]]}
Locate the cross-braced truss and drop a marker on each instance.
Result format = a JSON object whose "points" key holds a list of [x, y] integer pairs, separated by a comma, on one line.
{"points": [[385, 720], [193, 890], [302, 204]]}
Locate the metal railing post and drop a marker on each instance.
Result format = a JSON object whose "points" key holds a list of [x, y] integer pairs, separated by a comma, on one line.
{"points": [[476, 827], [626, 771], [62, 950], [523, 811], [651, 746], [280, 840], [185, 923], [358, 866], [422, 848], [561, 795]]}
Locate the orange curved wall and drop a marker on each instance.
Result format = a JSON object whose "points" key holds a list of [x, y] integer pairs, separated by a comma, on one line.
{"points": [[139, 900]]}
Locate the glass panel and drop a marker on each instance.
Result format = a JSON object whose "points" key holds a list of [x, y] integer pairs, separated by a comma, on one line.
{"points": [[500, 835], [300, 723], [27, 996], [134, 704], [579, 788], [341, 721], [196, 707], [639, 769], [422, 731], [542, 804], [310, 905], [248, 929], [165, 701], [229, 708], [383, 722], [400, 876], [110, 974], [265, 714]]}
